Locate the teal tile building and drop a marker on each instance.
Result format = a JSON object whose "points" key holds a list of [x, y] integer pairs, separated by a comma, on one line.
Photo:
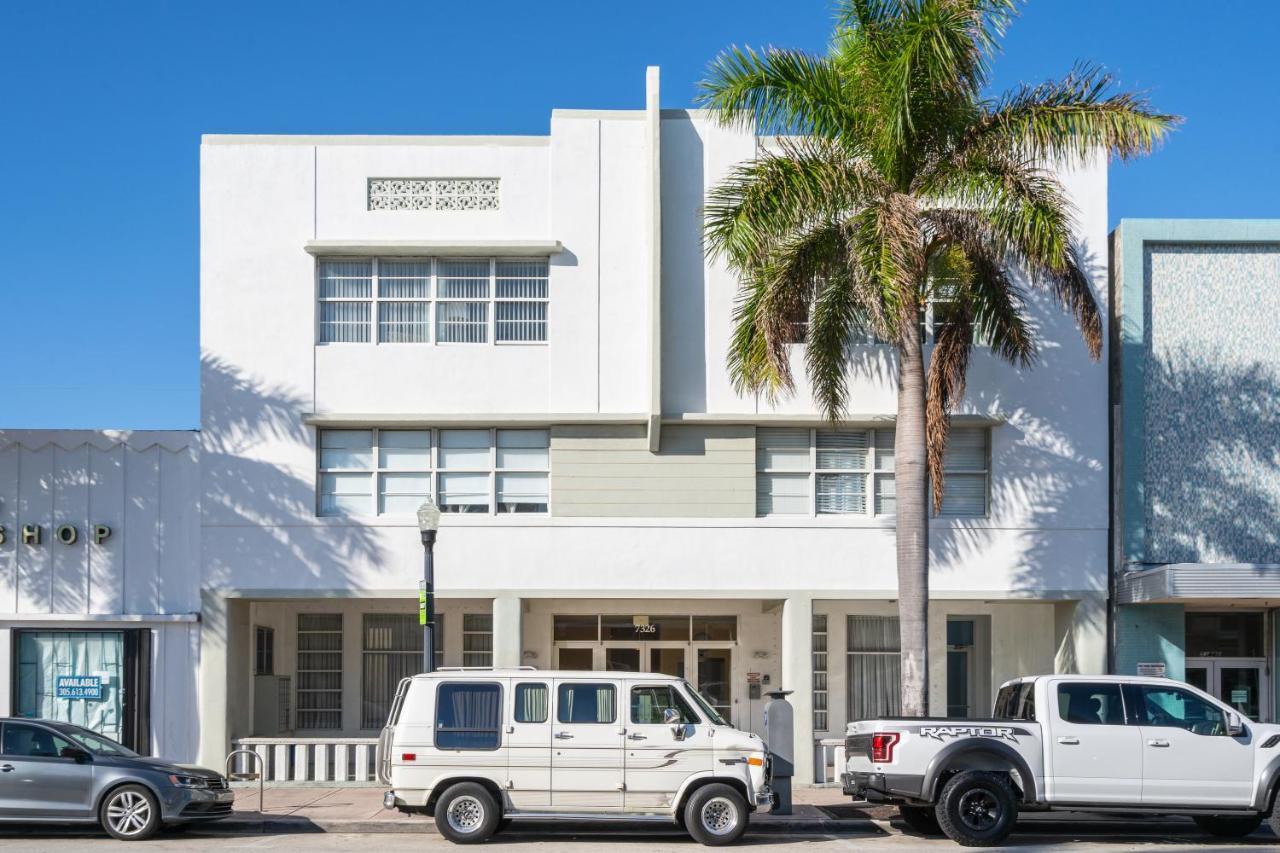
{"points": [[1195, 408]]}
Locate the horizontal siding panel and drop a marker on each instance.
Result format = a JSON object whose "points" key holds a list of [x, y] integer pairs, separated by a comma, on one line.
{"points": [[569, 471], [666, 509], [645, 459], [712, 485]]}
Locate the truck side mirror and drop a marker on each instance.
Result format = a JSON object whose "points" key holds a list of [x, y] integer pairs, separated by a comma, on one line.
{"points": [[1235, 726]]}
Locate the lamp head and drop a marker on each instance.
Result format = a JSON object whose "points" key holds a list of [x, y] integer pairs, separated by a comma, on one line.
{"points": [[428, 517]]}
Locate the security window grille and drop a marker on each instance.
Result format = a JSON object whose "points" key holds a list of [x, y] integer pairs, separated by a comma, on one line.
{"points": [[392, 651], [875, 667], [319, 671], [264, 651], [850, 472], [477, 639], [433, 193], [392, 471], [465, 301], [820, 721]]}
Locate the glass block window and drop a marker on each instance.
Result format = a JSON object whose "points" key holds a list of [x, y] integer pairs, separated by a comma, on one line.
{"points": [[319, 686], [820, 718], [392, 471], [433, 193], [477, 639], [426, 300], [850, 472]]}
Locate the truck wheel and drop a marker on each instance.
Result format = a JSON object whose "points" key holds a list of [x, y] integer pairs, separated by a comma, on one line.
{"points": [[977, 809], [715, 815], [922, 819], [467, 814], [1225, 826]]}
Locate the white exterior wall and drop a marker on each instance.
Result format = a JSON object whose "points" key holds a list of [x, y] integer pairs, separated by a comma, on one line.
{"points": [[144, 486], [584, 185]]}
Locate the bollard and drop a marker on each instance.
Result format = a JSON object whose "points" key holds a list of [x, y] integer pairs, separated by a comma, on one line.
{"points": [[779, 734]]}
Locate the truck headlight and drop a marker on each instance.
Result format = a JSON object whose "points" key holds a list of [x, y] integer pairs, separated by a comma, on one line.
{"points": [[189, 781]]}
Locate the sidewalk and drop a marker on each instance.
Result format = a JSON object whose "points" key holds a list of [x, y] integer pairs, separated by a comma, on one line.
{"points": [[289, 808]]}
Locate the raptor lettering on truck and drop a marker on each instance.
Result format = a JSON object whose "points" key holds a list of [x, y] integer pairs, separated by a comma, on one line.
{"points": [[944, 732]]}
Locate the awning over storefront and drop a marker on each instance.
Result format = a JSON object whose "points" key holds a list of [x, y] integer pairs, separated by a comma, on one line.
{"points": [[1175, 582]]}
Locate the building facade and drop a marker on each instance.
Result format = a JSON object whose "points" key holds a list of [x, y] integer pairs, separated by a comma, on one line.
{"points": [[527, 330], [1196, 416], [100, 582]]}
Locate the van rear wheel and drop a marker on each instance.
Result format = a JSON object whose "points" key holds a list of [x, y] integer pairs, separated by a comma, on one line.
{"points": [[715, 815], [467, 814]]}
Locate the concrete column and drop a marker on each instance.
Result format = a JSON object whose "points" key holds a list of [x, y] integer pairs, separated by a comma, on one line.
{"points": [[797, 676], [214, 718], [508, 631], [1080, 635]]}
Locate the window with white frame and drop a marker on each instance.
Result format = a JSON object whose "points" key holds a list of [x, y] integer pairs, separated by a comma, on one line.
{"points": [[850, 472], [432, 300], [392, 471]]}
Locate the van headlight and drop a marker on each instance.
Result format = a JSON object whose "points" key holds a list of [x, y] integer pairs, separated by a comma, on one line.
{"points": [[189, 781]]}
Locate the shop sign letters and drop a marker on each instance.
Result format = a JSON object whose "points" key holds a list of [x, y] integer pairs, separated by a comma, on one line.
{"points": [[67, 534]]}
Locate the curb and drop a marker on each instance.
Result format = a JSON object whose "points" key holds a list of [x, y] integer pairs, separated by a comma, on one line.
{"points": [[303, 825]]}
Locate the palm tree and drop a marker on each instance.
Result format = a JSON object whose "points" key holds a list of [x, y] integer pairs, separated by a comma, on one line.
{"points": [[896, 180]]}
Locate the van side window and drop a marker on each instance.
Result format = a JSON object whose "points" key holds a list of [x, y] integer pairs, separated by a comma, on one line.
{"points": [[586, 703], [648, 704], [468, 715], [1090, 704], [531, 703]]}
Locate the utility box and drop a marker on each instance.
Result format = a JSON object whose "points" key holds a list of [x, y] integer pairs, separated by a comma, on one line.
{"points": [[779, 734]]}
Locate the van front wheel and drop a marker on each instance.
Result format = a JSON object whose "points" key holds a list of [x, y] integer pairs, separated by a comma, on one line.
{"points": [[715, 815], [467, 814]]}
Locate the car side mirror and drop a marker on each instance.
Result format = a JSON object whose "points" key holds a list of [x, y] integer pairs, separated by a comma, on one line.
{"points": [[78, 755], [1235, 726], [673, 718]]}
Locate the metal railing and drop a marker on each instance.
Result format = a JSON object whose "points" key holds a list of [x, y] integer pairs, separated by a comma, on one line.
{"points": [[323, 760], [828, 761], [247, 775]]}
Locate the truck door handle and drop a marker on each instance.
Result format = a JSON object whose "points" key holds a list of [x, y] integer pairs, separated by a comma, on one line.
{"points": [[1157, 743], [6, 768], [1069, 741], [636, 737], [563, 736]]}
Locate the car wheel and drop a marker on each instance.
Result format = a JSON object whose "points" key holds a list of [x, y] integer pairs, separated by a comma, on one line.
{"points": [[977, 809], [1225, 826], [922, 819], [715, 815], [130, 813], [467, 814]]}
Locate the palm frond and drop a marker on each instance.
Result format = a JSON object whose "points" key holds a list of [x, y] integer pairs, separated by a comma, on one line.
{"points": [[1073, 117], [948, 366]]}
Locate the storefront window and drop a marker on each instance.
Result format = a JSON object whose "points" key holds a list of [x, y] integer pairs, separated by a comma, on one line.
{"points": [[647, 628], [73, 677], [576, 628], [715, 628], [1225, 635]]}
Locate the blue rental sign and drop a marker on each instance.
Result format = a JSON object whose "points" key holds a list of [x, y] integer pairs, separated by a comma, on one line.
{"points": [[78, 687]]}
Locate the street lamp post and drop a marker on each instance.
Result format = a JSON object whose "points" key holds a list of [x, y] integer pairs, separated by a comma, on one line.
{"points": [[428, 524]]}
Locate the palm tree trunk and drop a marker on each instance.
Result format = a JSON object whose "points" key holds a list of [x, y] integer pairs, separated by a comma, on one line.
{"points": [[912, 481]]}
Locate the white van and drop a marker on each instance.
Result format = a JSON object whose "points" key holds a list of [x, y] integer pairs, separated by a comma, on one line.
{"points": [[476, 748]]}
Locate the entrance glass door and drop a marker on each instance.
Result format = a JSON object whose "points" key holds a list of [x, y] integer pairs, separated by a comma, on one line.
{"points": [[1242, 684], [715, 669]]}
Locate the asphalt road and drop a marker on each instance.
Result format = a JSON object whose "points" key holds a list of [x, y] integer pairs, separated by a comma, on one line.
{"points": [[615, 839]]}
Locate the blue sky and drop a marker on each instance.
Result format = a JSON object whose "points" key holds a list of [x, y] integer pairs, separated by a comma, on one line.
{"points": [[103, 105]]}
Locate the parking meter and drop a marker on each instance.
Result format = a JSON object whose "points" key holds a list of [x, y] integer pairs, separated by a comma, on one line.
{"points": [[779, 734]]}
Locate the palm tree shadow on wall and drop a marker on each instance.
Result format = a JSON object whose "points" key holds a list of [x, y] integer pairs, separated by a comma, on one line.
{"points": [[1212, 466], [261, 512]]}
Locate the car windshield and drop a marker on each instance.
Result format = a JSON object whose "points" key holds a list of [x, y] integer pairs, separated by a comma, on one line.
{"points": [[96, 743], [712, 714]]}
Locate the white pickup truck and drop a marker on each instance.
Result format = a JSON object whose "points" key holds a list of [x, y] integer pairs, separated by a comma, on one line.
{"points": [[1074, 743]]}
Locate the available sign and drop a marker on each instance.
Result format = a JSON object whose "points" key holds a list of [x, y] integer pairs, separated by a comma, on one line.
{"points": [[78, 687]]}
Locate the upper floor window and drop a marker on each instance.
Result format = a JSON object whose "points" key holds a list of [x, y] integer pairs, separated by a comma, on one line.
{"points": [[850, 472], [392, 471], [391, 300]]}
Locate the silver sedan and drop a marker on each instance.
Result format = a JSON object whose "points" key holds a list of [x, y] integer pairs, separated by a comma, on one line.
{"points": [[54, 772]]}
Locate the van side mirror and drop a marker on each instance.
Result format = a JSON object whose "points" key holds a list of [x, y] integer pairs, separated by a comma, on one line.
{"points": [[1235, 726], [673, 718]]}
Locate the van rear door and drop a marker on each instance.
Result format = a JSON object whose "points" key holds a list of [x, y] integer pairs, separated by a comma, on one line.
{"points": [[586, 745]]}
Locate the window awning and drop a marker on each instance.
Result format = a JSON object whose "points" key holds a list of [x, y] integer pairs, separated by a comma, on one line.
{"points": [[1174, 582], [435, 248]]}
